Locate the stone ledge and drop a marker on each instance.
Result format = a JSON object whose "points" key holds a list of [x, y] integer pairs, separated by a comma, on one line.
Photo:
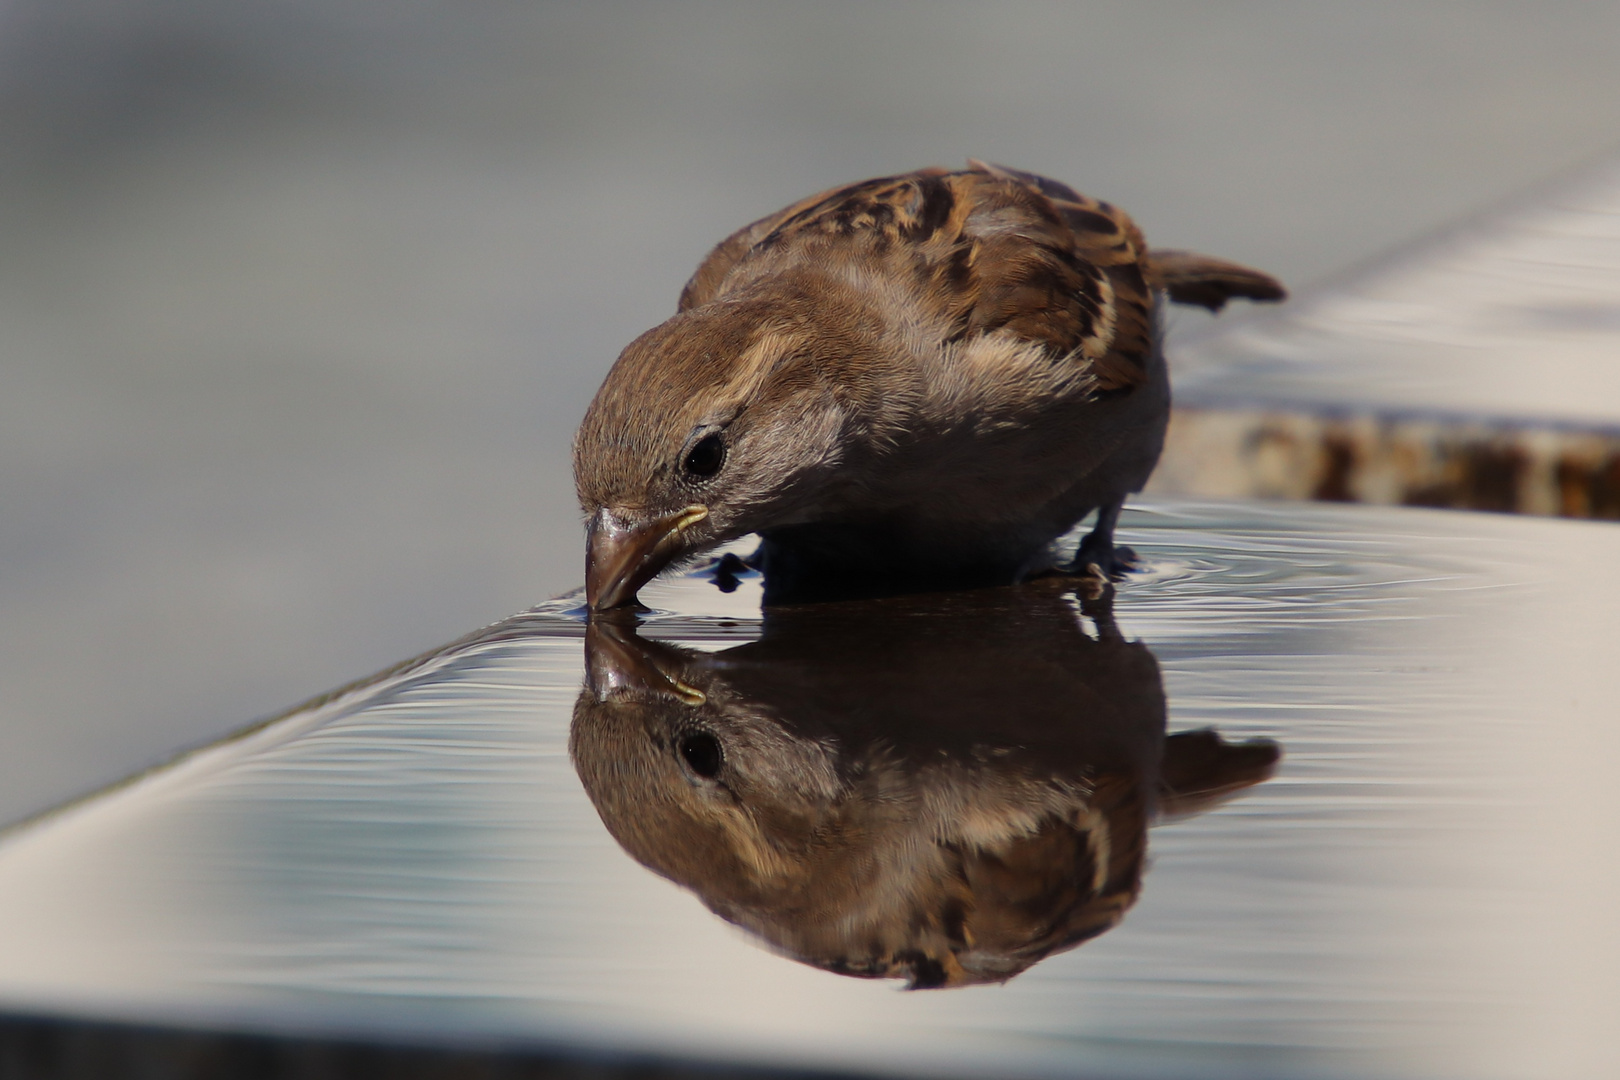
{"points": [[1274, 452]]}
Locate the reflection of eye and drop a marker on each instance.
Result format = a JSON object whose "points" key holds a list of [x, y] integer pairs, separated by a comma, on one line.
{"points": [[702, 754], [706, 456]]}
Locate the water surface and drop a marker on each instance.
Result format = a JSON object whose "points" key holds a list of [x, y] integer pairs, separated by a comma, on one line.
{"points": [[1420, 888]]}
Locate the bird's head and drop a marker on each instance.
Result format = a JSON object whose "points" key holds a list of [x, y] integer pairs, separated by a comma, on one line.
{"points": [[725, 420]]}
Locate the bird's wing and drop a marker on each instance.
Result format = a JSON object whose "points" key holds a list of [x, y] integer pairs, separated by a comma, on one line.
{"points": [[1077, 282], [1107, 237], [987, 249], [717, 265]]}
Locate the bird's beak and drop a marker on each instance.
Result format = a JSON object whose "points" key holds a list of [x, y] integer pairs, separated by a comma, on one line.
{"points": [[618, 662], [621, 557]]}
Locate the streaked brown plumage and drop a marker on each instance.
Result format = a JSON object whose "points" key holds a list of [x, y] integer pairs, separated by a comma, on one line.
{"points": [[919, 380]]}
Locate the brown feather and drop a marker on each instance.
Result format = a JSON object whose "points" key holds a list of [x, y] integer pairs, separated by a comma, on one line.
{"points": [[991, 248], [1190, 278]]}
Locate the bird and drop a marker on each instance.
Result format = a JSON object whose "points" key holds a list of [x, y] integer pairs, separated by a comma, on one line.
{"points": [[945, 788], [913, 382]]}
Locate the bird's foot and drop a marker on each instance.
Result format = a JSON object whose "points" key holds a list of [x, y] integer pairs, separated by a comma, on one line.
{"points": [[1126, 560], [726, 570], [1100, 610], [1090, 581], [1103, 559], [1095, 593], [1094, 584]]}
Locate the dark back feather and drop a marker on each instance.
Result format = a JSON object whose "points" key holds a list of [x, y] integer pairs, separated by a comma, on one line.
{"points": [[987, 249]]}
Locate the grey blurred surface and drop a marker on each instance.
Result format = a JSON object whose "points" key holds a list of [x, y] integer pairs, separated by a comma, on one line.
{"points": [[1473, 370], [300, 301], [1512, 316]]}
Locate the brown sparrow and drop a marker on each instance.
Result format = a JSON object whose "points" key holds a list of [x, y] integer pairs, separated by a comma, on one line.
{"points": [[919, 381], [944, 788]]}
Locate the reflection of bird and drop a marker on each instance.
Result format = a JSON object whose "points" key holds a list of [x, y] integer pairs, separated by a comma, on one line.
{"points": [[945, 789], [917, 380]]}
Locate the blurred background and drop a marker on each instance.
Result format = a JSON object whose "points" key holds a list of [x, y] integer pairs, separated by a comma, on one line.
{"points": [[300, 301]]}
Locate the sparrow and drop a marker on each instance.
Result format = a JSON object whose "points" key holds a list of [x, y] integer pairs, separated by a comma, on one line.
{"points": [[913, 382], [942, 788]]}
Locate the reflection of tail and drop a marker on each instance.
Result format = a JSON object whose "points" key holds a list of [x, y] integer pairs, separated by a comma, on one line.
{"points": [[1190, 278], [1200, 770]]}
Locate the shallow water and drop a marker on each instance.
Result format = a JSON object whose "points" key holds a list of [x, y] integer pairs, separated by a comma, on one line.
{"points": [[1421, 888]]}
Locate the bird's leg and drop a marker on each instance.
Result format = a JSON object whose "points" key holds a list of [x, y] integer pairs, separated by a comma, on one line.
{"points": [[1098, 556], [1099, 609], [726, 568]]}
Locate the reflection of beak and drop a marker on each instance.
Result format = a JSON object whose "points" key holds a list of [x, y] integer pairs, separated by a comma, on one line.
{"points": [[620, 557], [616, 660]]}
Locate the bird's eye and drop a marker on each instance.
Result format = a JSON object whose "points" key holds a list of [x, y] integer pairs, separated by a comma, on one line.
{"points": [[706, 456], [701, 752]]}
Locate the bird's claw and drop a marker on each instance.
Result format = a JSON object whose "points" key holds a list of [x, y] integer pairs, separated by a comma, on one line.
{"points": [[726, 570], [1094, 584], [1104, 561]]}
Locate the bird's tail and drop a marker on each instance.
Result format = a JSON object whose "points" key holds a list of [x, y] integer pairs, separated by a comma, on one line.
{"points": [[1190, 278]]}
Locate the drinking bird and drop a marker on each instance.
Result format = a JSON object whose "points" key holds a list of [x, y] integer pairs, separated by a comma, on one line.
{"points": [[913, 382]]}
